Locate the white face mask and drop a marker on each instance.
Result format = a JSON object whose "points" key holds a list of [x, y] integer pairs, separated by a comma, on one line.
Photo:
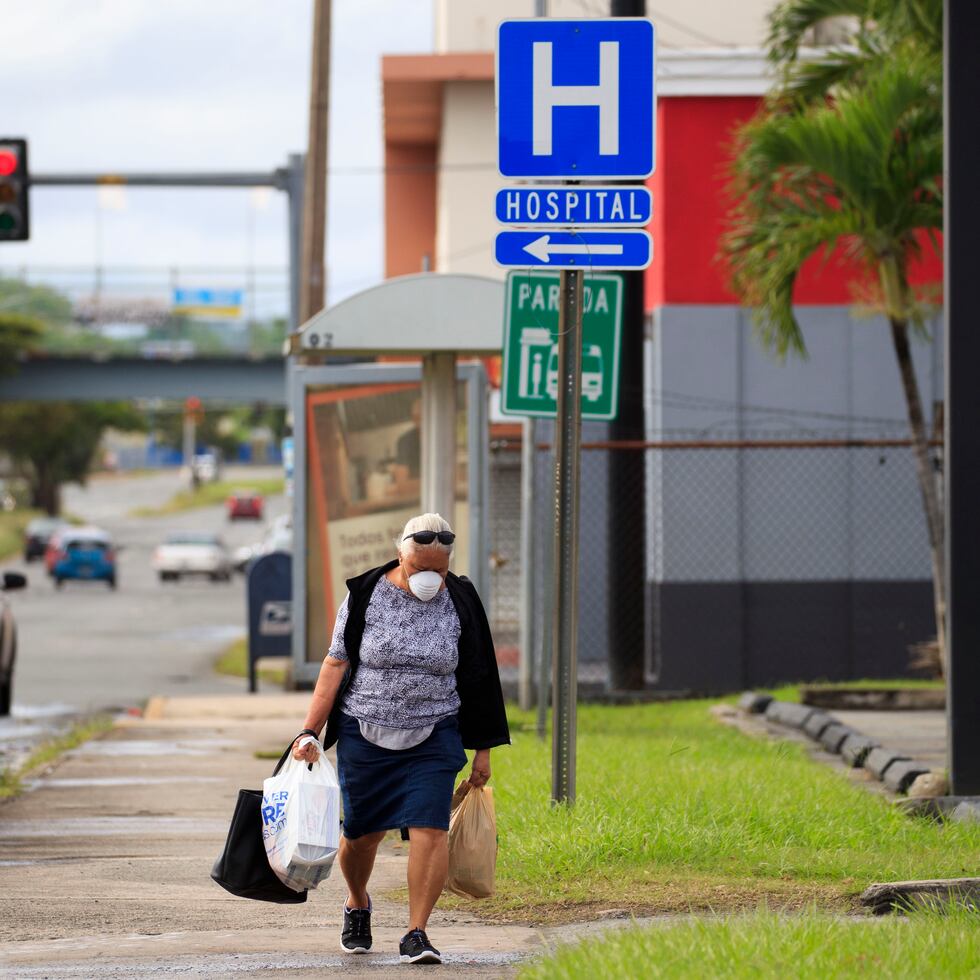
{"points": [[425, 585]]}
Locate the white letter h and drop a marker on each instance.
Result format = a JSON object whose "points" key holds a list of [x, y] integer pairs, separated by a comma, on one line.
{"points": [[547, 95]]}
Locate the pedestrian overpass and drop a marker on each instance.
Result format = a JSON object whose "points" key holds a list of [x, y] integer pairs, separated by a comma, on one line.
{"points": [[84, 378]]}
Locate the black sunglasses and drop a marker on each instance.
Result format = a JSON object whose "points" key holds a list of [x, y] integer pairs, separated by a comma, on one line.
{"points": [[427, 537]]}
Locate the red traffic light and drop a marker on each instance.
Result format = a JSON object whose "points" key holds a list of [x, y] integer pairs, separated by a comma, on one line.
{"points": [[14, 184]]}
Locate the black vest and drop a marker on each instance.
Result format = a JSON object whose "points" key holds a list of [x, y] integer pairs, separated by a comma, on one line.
{"points": [[482, 717]]}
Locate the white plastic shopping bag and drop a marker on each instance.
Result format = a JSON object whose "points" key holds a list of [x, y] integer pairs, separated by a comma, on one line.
{"points": [[301, 820]]}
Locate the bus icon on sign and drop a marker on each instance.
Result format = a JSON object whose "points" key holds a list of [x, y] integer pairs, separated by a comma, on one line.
{"points": [[592, 372]]}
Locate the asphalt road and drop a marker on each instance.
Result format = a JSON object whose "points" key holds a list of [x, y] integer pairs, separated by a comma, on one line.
{"points": [[87, 647]]}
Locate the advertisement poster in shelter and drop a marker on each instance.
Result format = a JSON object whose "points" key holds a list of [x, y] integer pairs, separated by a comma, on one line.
{"points": [[364, 483]]}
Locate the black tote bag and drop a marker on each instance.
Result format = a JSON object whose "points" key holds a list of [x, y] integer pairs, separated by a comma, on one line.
{"points": [[242, 867]]}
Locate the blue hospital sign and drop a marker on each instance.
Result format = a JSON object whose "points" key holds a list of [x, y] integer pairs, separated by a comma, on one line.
{"points": [[575, 98]]}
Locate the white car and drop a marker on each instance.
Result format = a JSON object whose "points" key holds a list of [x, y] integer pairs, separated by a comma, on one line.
{"points": [[278, 537], [192, 553]]}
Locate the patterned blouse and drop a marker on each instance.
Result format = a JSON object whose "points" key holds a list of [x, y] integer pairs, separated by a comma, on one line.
{"points": [[405, 681]]}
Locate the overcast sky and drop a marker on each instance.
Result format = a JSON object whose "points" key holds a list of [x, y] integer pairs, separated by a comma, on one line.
{"points": [[110, 85]]}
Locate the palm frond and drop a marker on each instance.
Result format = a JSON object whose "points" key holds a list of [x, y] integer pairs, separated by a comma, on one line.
{"points": [[921, 19], [808, 82], [791, 21]]}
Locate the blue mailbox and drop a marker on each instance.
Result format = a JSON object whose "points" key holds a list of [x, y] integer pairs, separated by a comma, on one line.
{"points": [[270, 610]]}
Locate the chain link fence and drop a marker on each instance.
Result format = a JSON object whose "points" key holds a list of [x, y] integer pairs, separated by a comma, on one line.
{"points": [[810, 549]]}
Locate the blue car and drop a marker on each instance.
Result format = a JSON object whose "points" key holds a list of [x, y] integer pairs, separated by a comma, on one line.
{"points": [[85, 553]]}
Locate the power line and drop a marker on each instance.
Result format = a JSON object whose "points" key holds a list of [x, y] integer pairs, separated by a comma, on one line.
{"points": [[682, 400], [692, 31], [598, 8]]}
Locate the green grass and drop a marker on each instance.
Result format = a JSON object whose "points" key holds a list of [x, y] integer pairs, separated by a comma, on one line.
{"points": [[12, 524], [50, 750], [791, 692], [209, 494], [234, 663], [764, 944], [890, 684], [676, 812]]}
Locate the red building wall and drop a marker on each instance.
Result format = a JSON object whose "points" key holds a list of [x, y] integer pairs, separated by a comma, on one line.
{"points": [[694, 136]]}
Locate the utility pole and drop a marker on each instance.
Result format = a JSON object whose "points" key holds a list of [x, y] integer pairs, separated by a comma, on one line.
{"points": [[627, 480], [961, 201], [438, 449], [315, 196]]}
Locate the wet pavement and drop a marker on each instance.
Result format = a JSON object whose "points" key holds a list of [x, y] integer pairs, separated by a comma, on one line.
{"points": [[105, 864], [27, 725]]}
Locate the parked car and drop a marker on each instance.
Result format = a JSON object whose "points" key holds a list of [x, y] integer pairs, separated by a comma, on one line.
{"points": [[192, 553], [38, 533], [245, 504], [8, 640], [84, 553]]}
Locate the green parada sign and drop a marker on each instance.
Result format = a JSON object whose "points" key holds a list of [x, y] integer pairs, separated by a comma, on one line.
{"points": [[530, 354]]}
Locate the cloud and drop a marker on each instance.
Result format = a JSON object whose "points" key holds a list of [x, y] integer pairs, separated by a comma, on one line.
{"points": [[115, 85]]}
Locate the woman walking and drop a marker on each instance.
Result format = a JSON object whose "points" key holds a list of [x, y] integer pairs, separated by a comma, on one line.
{"points": [[409, 681]]}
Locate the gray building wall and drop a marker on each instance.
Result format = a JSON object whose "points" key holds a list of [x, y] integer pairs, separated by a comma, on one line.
{"points": [[766, 565], [595, 552]]}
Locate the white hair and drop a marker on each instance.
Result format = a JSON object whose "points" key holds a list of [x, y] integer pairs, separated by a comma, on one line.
{"points": [[424, 522]]}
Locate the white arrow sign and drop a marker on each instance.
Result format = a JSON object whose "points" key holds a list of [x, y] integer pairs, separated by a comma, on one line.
{"points": [[542, 250]]}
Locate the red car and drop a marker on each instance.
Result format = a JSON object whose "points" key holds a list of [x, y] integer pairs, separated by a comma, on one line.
{"points": [[53, 550], [245, 504]]}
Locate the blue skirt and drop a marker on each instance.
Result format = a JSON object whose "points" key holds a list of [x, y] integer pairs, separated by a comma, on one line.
{"points": [[386, 789]]}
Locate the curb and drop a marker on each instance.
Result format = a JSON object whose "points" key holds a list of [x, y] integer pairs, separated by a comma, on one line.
{"points": [[896, 770]]}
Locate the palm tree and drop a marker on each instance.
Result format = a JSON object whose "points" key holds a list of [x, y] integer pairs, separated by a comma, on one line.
{"points": [[858, 173]]}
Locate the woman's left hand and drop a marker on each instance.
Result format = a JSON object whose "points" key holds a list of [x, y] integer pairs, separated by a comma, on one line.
{"points": [[480, 775]]}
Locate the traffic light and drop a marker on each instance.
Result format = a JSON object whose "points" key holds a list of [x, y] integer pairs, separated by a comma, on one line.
{"points": [[14, 181], [193, 409]]}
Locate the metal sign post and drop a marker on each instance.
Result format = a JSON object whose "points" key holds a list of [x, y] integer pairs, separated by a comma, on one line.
{"points": [[568, 430], [526, 643], [547, 73]]}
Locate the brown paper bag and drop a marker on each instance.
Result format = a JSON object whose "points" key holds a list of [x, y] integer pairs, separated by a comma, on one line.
{"points": [[472, 842]]}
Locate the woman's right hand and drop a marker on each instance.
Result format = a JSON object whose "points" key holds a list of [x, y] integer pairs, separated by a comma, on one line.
{"points": [[307, 752]]}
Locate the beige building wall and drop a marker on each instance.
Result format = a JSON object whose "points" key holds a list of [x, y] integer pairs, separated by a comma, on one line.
{"points": [[468, 180], [467, 151], [471, 25]]}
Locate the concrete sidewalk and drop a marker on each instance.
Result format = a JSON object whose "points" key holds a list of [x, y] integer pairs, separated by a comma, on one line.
{"points": [[105, 861], [919, 734]]}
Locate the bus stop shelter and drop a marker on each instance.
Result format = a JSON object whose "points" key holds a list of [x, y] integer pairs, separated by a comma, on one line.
{"points": [[378, 442]]}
